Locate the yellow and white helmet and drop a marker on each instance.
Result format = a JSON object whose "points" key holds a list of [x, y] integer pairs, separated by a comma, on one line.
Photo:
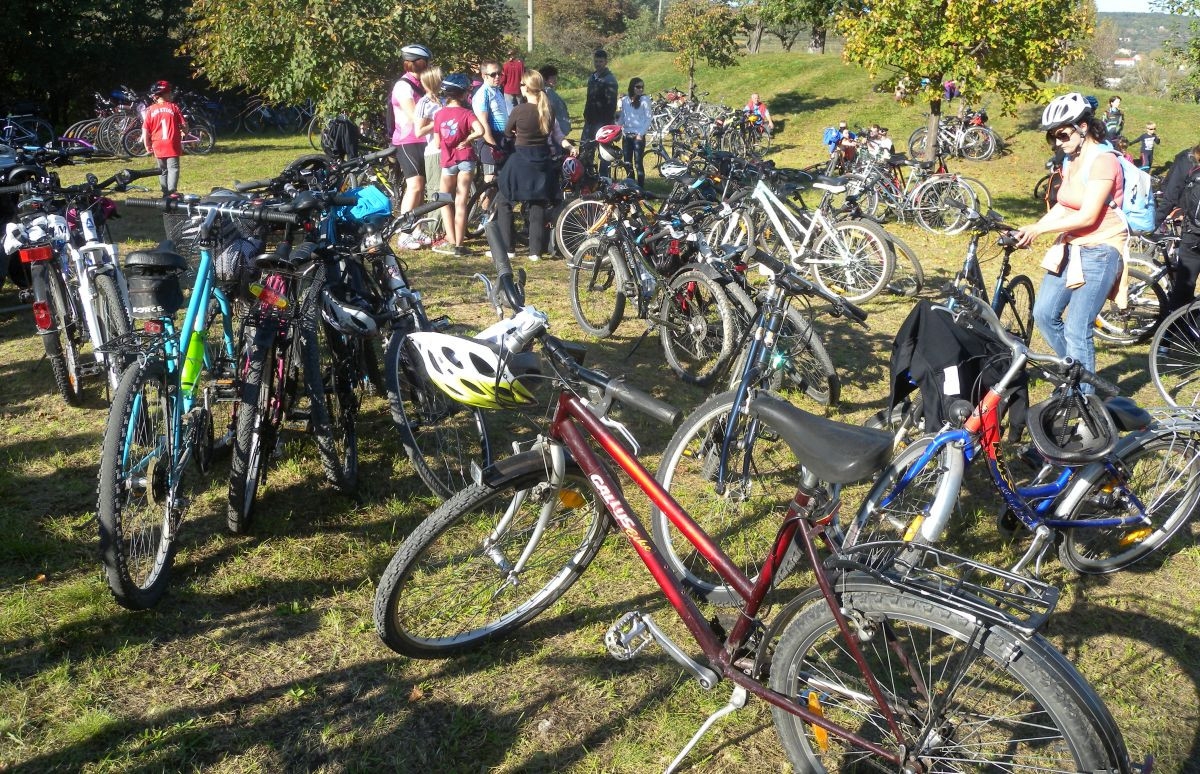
{"points": [[469, 371]]}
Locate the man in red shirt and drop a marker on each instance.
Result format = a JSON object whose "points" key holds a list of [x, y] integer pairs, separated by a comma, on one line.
{"points": [[162, 134], [510, 81]]}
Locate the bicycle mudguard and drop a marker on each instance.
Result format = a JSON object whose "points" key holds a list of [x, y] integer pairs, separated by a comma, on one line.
{"points": [[509, 469]]}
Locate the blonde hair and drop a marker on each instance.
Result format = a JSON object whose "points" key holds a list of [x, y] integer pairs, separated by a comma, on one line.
{"points": [[535, 92], [431, 81]]}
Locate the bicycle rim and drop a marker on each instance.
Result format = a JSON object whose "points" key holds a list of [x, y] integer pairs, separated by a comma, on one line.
{"points": [[1175, 357], [1016, 307], [1137, 321]]}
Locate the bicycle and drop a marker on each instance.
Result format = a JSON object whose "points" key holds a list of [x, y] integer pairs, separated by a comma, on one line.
{"points": [[1105, 503], [80, 295], [1011, 297], [929, 194], [873, 666], [161, 417], [1152, 261], [18, 131], [965, 136]]}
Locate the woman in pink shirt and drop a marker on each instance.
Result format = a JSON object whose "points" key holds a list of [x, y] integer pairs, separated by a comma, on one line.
{"points": [[410, 147]]}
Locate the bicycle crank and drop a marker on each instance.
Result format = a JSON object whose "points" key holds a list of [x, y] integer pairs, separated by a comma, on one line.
{"points": [[633, 631]]}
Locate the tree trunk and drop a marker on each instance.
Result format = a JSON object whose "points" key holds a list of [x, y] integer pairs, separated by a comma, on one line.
{"points": [[692, 78], [755, 39], [931, 126], [816, 41]]}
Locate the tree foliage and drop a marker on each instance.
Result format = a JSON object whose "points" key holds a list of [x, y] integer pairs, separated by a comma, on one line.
{"points": [[341, 53], [1005, 47], [1184, 50], [702, 30]]}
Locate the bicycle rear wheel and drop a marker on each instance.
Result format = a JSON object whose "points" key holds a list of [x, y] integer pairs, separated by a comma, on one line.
{"points": [[62, 346], [799, 363], [1016, 307], [1175, 357], [952, 683], [696, 326], [200, 141], [256, 428], [576, 222], [908, 277], [940, 205], [597, 283], [453, 586], [854, 261], [136, 510], [1164, 474], [1137, 321]]}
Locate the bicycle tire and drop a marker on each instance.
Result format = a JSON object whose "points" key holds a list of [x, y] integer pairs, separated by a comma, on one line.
{"points": [[696, 326], [745, 517], [204, 143], [478, 216], [1164, 474], [854, 261], [256, 429], [112, 322], [444, 591], [1175, 357], [799, 362], [134, 509], [315, 130], [577, 222], [340, 392], [978, 144], [917, 141], [41, 130], [939, 203], [1137, 322], [1016, 307], [131, 143], [983, 196], [908, 275], [1041, 189], [443, 439], [954, 680], [61, 346], [597, 279]]}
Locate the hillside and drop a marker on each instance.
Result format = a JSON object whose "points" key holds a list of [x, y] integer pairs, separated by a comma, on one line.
{"points": [[1143, 33]]}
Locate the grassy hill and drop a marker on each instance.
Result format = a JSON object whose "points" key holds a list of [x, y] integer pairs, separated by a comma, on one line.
{"points": [[263, 656]]}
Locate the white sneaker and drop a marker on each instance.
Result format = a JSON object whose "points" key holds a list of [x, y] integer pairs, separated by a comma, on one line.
{"points": [[407, 242], [422, 240], [535, 257]]}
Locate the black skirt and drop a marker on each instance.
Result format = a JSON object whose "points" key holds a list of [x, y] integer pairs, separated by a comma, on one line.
{"points": [[530, 175]]}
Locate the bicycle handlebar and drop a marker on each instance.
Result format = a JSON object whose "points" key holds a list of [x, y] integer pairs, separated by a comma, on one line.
{"points": [[790, 280], [614, 387], [253, 212], [122, 178], [1064, 366]]}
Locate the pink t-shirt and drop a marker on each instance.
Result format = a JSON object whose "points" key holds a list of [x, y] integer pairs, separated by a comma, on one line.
{"points": [[1098, 165], [406, 87], [453, 125]]}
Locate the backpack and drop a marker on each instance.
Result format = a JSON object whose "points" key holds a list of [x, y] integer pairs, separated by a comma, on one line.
{"points": [[340, 139], [1189, 199], [830, 137], [1137, 199]]}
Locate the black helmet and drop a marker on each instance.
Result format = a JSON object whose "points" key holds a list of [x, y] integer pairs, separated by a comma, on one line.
{"points": [[455, 84], [1071, 428]]}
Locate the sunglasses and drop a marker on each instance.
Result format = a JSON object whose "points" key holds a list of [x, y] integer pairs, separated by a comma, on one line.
{"points": [[493, 75], [1062, 135]]}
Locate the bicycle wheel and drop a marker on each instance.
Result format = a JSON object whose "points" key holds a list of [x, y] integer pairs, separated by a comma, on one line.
{"points": [[940, 205], [254, 121], [578, 221], [131, 143], [256, 427], [597, 282], [1175, 357], [951, 682], [917, 141], [443, 438], [854, 260], [1016, 307], [41, 130], [61, 346], [332, 394], [908, 277], [453, 586], [1137, 321], [697, 327], [933, 490], [743, 513], [798, 363], [1041, 189], [1164, 475], [477, 214], [735, 228], [978, 144], [314, 130], [137, 510], [200, 141], [112, 322]]}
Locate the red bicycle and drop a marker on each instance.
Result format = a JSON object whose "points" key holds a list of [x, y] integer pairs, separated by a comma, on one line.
{"points": [[933, 665]]}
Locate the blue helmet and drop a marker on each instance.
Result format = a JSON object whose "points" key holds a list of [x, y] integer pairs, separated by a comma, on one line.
{"points": [[455, 84]]}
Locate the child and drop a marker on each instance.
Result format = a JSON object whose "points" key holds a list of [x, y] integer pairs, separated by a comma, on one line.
{"points": [[1148, 140], [1122, 146], [162, 135], [458, 128]]}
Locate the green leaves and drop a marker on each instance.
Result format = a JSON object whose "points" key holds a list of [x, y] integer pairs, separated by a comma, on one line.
{"points": [[702, 30]]}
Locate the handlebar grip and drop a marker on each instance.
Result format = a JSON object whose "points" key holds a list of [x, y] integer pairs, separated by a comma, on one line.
{"points": [[344, 200], [138, 174], [381, 155], [271, 216], [1102, 385], [251, 185], [426, 208], [20, 188], [166, 205], [644, 402]]}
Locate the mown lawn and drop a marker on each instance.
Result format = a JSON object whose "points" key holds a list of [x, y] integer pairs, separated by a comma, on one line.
{"points": [[263, 656]]}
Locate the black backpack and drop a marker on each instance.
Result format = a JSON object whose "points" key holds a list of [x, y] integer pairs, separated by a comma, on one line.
{"points": [[340, 139], [1189, 199]]}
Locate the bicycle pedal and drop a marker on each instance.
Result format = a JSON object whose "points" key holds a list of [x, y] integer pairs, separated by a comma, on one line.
{"points": [[226, 389], [90, 368], [628, 636], [25, 295], [440, 324]]}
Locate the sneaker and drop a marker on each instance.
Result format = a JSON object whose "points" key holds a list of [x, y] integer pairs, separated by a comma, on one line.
{"points": [[535, 257], [461, 251], [512, 256], [423, 240], [443, 247], [407, 242]]}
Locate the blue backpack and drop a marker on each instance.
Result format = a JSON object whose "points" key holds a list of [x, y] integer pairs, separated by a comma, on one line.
{"points": [[831, 137]]}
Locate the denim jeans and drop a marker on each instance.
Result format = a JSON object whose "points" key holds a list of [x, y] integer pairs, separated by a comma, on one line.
{"points": [[1072, 336], [634, 151]]}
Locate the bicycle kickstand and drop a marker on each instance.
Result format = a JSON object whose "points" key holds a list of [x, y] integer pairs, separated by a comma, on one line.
{"points": [[737, 700]]}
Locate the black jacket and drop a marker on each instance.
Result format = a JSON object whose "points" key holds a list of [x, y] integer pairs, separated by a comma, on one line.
{"points": [[1172, 189]]}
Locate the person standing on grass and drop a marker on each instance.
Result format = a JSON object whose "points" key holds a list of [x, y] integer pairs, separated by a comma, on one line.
{"points": [[601, 106], [162, 135], [759, 108], [410, 147], [491, 108], [427, 106], [1146, 141], [557, 104], [636, 113], [510, 79], [457, 128]]}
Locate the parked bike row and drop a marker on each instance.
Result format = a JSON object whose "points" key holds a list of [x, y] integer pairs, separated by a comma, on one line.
{"points": [[902, 653]]}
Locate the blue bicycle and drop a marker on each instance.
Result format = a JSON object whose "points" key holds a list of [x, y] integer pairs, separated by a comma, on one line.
{"points": [[161, 417]]}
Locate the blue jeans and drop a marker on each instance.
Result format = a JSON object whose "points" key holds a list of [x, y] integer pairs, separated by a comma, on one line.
{"points": [[634, 151], [1072, 336]]}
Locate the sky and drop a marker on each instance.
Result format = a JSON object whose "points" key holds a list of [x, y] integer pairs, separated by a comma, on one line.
{"points": [[1126, 6]]}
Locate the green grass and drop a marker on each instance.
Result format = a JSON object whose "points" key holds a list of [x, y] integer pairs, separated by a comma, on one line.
{"points": [[263, 656]]}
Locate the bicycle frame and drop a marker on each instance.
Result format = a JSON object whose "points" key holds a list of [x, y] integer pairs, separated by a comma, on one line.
{"points": [[95, 257], [774, 208], [574, 425]]}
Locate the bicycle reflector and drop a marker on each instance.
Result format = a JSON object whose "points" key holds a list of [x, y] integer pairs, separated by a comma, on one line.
{"points": [[41, 316], [36, 254]]}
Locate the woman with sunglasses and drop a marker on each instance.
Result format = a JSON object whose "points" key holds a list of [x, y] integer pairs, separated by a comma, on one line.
{"points": [[634, 119], [1084, 266]]}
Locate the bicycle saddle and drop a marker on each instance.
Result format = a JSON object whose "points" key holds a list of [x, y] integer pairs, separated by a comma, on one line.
{"points": [[163, 258], [836, 453]]}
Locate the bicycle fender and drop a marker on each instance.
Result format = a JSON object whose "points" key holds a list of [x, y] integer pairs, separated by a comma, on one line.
{"points": [[1087, 476], [503, 471]]}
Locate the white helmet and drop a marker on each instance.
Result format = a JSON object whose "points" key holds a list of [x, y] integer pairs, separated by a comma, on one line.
{"points": [[469, 371], [346, 311], [1065, 110], [415, 51]]}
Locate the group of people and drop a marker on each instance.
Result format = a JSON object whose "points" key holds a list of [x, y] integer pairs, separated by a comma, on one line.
{"points": [[1143, 145]]}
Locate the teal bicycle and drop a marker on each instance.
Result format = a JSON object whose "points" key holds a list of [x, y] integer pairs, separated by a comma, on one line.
{"points": [[161, 417]]}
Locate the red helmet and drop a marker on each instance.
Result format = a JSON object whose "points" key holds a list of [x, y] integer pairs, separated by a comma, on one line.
{"points": [[159, 87], [572, 170], [607, 135]]}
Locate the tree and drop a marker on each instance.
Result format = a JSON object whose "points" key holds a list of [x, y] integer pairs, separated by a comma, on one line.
{"points": [[1095, 60], [1006, 47], [341, 53], [1184, 50], [701, 29]]}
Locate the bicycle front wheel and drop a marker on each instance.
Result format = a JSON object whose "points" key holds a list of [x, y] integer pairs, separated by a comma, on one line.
{"points": [[697, 326], [200, 141], [577, 222], [1016, 307], [112, 322], [854, 261], [454, 584], [799, 362], [1164, 475], [741, 505], [959, 695], [137, 510], [1137, 321], [1175, 357], [978, 144], [61, 346], [597, 287], [256, 430], [940, 205], [333, 394]]}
